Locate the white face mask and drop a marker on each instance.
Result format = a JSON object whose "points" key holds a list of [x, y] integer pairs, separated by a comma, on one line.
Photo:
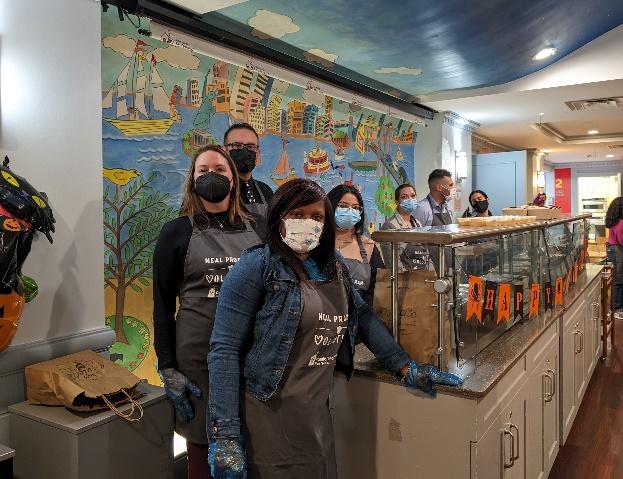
{"points": [[451, 193], [302, 236]]}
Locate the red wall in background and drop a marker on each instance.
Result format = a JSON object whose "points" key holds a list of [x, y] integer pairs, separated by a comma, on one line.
{"points": [[562, 189]]}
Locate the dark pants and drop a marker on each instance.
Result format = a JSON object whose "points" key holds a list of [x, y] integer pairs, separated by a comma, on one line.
{"points": [[618, 288], [198, 467]]}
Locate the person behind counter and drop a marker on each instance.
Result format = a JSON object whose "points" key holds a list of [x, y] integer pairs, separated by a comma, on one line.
{"points": [[434, 210], [614, 223], [479, 201], [191, 258], [242, 142], [412, 256], [360, 253], [279, 339]]}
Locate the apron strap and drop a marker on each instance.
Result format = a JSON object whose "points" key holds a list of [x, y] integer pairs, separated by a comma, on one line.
{"points": [[259, 190], [362, 250]]}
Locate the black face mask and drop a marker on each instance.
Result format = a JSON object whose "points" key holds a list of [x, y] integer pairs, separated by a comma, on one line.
{"points": [[212, 187], [481, 206], [244, 160]]}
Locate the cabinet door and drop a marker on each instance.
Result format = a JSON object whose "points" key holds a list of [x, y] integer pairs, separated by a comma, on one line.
{"points": [[579, 343], [551, 430], [500, 452], [590, 326], [596, 314], [572, 365]]}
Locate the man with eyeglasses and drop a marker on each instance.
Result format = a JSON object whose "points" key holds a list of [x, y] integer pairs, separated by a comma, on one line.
{"points": [[242, 143]]}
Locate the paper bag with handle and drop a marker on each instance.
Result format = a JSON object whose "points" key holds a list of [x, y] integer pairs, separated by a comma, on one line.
{"points": [[84, 381], [417, 317]]}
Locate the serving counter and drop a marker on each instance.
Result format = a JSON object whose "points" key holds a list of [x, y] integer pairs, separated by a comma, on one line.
{"points": [[524, 376]]}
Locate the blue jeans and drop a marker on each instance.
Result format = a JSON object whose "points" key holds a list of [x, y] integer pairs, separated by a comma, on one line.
{"points": [[618, 288]]}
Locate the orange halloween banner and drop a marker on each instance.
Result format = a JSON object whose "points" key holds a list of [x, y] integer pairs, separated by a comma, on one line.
{"points": [[567, 281], [474, 301], [548, 293], [582, 257], [504, 303], [559, 290], [488, 308], [535, 293], [518, 311], [576, 267]]}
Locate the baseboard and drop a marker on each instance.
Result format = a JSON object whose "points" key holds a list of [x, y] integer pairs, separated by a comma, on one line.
{"points": [[16, 358]]}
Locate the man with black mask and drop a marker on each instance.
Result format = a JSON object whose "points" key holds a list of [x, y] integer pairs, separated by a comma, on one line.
{"points": [[242, 143]]}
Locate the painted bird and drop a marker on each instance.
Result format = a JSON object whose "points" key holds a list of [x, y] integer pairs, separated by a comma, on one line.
{"points": [[120, 176]]}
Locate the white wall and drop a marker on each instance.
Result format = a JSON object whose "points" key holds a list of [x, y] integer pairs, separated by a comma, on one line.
{"points": [[427, 153], [50, 126], [454, 140]]}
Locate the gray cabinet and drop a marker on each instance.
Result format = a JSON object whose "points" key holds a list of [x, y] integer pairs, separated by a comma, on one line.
{"points": [[56, 443]]}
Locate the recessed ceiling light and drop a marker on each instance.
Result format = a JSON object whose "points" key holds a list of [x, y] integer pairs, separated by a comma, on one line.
{"points": [[609, 156], [545, 53], [541, 114], [592, 132]]}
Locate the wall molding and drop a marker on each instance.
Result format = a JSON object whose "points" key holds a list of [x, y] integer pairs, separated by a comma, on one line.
{"points": [[16, 358], [589, 165], [457, 121]]}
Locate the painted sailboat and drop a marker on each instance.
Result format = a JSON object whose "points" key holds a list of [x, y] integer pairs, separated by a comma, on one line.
{"points": [[316, 161], [137, 96], [283, 172]]}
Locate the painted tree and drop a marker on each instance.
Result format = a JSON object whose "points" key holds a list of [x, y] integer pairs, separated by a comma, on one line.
{"points": [[384, 196], [133, 217]]}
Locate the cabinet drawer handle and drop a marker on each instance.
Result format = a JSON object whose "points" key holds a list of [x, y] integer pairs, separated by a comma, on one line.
{"points": [[576, 333], [515, 455], [547, 396], [553, 378], [511, 463], [581, 341]]}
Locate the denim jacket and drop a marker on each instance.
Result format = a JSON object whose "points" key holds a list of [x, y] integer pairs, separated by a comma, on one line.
{"points": [[257, 316]]}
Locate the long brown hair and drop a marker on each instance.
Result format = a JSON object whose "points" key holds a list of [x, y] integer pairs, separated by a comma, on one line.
{"points": [[192, 205]]}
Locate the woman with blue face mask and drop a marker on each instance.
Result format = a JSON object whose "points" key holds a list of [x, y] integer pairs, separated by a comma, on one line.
{"points": [[287, 318], [412, 256], [360, 253]]}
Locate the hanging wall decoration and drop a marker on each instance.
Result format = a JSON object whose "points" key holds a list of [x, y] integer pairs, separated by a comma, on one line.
{"points": [[504, 302], [474, 301], [535, 293]]}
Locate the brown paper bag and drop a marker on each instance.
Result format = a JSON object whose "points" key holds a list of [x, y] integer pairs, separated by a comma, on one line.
{"points": [[84, 381], [417, 318]]}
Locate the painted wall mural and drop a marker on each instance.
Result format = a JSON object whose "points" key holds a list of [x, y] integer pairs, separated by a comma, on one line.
{"points": [[161, 102]]}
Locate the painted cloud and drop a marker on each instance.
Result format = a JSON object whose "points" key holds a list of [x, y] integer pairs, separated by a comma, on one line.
{"points": [[177, 57], [399, 70], [120, 44], [317, 55], [267, 24]]}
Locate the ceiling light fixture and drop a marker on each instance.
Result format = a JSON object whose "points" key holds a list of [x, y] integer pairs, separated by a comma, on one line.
{"points": [[592, 132], [541, 114], [609, 156], [545, 53]]}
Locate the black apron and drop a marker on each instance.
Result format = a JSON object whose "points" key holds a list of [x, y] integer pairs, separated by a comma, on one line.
{"points": [[360, 271], [291, 435], [414, 256], [211, 253], [259, 210]]}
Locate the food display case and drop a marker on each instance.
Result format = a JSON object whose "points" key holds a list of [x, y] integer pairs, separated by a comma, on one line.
{"points": [[512, 273]]}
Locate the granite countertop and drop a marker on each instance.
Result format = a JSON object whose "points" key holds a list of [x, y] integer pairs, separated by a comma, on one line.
{"points": [[6, 453], [497, 358]]}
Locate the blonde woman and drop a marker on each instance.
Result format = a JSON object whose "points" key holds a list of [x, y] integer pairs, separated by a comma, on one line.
{"points": [[191, 259]]}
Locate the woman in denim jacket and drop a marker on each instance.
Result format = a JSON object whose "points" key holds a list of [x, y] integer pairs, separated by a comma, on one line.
{"points": [[288, 316]]}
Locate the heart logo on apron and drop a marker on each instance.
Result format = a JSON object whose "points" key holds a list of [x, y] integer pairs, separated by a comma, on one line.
{"points": [[318, 339], [209, 277]]}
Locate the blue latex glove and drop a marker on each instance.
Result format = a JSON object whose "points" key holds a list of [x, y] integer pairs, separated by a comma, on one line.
{"points": [[424, 376], [227, 459], [175, 385]]}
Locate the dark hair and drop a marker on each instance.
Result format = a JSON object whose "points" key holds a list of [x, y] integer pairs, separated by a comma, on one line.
{"points": [[400, 188], [615, 212], [240, 126], [337, 193], [436, 175], [292, 195], [474, 192]]}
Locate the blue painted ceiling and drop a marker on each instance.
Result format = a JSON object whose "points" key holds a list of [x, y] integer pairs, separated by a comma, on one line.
{"points": [[437, 45]]}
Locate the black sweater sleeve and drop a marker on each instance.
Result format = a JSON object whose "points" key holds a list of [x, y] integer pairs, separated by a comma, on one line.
{"points": [[168, 273], [376, 262]]}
